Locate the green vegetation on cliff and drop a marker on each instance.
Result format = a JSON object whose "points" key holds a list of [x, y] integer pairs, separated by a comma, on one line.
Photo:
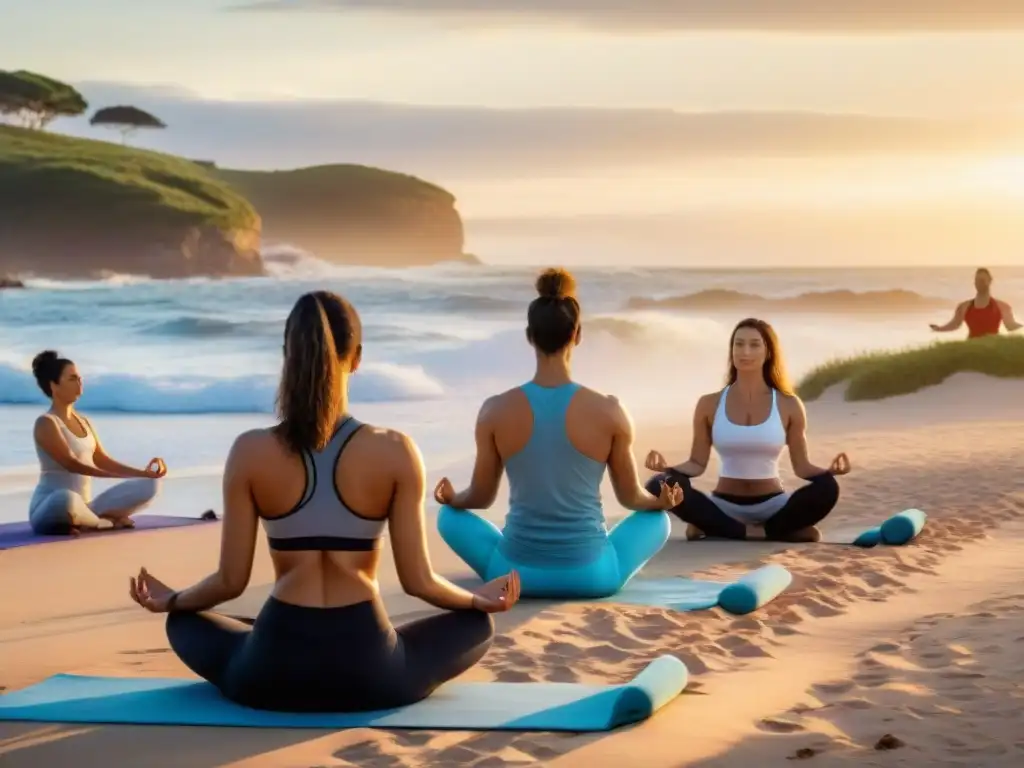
{"points": [[879, 375], [82, 177], [74, 207]]}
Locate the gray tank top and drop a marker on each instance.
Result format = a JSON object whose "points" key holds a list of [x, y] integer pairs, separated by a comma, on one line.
{"points": [[52, 476], [322, 521]]}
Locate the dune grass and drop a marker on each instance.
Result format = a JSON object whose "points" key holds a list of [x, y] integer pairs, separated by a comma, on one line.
{"points": [[878, 375]]}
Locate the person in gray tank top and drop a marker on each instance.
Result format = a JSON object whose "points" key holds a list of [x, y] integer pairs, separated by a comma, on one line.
{"points": [[325, 487], [554, 439], [71, 454]]}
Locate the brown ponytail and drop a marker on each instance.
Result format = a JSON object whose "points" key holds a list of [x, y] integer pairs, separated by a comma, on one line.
{"points": [[321, 334]]}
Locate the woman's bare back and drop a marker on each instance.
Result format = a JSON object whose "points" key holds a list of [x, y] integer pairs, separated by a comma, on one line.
{"points": [[366, 475]]}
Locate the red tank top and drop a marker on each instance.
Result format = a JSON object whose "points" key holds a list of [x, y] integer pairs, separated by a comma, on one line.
{"points": [[983, 321]]}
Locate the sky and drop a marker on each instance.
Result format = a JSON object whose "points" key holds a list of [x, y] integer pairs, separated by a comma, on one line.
{"points": [[558, 109]]}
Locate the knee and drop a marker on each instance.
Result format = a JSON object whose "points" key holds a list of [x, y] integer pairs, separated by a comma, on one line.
{"points": [[828, 489], [449, 521], [179, 626], [651, 527], [151, 487], [653, 485], [480, 628]]}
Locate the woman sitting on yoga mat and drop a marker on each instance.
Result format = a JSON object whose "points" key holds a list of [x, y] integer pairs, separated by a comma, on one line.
{"points": [[325, 486], [749, 423], [554, 438], [71, 454]]}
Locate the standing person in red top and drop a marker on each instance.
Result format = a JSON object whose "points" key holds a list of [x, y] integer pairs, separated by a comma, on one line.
{"points": [[983, 314]]}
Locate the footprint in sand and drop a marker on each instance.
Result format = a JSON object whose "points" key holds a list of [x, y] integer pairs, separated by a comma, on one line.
{"points": [[836, 688], [779, 725], [145, 651]]}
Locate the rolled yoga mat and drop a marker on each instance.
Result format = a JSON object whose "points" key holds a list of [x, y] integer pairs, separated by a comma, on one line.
{"points": [[900, 529], [13, 535], [678, 593], [454, 706], [755, 589], [903, 527]]}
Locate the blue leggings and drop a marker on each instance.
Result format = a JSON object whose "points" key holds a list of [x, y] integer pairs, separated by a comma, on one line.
{"points": [[629, 546]]}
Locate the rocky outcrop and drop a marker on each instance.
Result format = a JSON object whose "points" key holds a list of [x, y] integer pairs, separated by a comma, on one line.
{"points": [[74, 208], [10, 282], [352, 214]]}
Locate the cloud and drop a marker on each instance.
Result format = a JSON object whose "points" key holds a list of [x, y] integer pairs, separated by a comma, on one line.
{"points": [[451, 143], [845, 16]]}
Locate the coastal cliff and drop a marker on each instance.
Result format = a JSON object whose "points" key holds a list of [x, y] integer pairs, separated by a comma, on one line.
{"points": [[77, 208], [354, 214]]}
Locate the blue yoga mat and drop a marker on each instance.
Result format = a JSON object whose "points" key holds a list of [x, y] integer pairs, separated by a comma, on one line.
{"points": [[14, 535], [678, 593], [896, 531], [455, 706]]}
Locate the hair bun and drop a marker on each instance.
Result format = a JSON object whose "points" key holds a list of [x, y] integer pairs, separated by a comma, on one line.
{"points": [[44, 359], [556, 283]]}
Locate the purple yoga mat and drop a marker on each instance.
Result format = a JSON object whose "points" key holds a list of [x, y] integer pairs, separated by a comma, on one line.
{"points": [[20, 534]]}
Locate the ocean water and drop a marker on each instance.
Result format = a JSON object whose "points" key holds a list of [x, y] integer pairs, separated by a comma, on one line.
{"points": [[178, 368]]}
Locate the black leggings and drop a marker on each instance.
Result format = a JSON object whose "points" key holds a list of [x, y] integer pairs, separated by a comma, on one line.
{"points": [[806, 506], [297, 659]]}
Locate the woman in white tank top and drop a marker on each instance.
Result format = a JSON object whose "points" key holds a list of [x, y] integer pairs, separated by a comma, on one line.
{"points": [[70, 455], [748, 424]]}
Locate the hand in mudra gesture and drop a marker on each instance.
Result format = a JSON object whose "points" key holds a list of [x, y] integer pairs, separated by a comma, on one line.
{"points": [[655, 462], [670, 496], [840, 465], [497, 595], [444, 493]]}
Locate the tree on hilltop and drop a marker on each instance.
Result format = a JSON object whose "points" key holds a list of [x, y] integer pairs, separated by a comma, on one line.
{"points": [[34, 101], [126, 119]]}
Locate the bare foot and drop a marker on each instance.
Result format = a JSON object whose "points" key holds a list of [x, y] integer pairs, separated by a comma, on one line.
{"points": [[693, 533], [801, 536]]}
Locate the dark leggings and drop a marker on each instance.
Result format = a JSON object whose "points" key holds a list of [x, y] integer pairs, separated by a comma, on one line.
{"points": [[807, 506], [297, 659]]}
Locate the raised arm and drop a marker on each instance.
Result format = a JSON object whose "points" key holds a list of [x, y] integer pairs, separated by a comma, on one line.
{"points": [[103, 460], [237, 535], [487, 469], [407, 530], [956, 322], [47, 435], [700, 447], [796, 440], [1008, 319], [629, 491]]}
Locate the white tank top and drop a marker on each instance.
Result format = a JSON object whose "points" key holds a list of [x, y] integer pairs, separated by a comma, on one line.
{"points": [[748, 453], [52, 476]]}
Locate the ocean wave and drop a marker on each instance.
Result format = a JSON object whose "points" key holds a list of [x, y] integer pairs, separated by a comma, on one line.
{"points": [[375, 382], [207, 327], [837, 301]]}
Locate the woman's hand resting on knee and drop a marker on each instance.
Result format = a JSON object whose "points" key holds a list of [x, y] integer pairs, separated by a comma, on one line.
{"points": [[444, 492], [498, 595], [840, 465], [151, 593]]}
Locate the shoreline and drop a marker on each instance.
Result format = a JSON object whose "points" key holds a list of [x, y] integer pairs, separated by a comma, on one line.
{"points": [[844, 609]]}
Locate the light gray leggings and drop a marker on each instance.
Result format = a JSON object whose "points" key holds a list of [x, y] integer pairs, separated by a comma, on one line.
{"points": [[60, 510]]}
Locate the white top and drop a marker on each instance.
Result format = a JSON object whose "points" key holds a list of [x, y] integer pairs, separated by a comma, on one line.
{"points": [[748, 453], [52, 476]]}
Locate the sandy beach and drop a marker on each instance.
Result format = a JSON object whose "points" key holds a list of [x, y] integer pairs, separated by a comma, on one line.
{"points": [[891, 656]]}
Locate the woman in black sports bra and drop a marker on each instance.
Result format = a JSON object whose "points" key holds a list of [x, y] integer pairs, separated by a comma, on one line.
{"points": [[325, 486]]}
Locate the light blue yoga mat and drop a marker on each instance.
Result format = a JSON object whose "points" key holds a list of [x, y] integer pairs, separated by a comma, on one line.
{"points": [[746, 594], [896, 531], [455, 706]]}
